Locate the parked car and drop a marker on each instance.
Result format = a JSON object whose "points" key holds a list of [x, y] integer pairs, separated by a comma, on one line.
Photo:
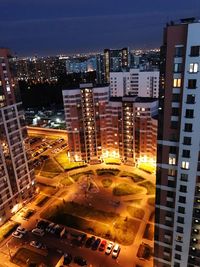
{"points": [[90, 241], [96, 243], [42, 224], [67, 259], [21, 230], [37, 231], [17, 234], [116, 251], [102, 245], [109, 248], [80, 261], [35, 244], [49, 227]]}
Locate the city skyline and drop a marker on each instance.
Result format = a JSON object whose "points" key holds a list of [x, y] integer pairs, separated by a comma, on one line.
{"points": [[73, 27]]}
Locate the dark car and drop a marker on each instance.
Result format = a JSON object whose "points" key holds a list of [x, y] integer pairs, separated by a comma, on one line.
{"points": [[96, 243], [89, 242], [80, 261], [67, 258], [42, 224]]}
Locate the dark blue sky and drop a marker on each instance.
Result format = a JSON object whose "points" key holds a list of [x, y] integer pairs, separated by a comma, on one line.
{"points": [[45, 27]]}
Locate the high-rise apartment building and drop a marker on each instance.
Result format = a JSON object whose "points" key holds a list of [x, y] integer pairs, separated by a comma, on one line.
{"points": [[144, 83], [177, 222], [16, 173], [115, 60], [99, 127]]}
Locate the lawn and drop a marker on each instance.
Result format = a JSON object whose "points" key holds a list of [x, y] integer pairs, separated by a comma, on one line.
{"points": [[7, 229], [76, 176], [112, 161], [135, 212], [134, 201], [98, 222], [124, 189], [64, 162], [149, 186], [50, 166], [109, 171], [48, 174], [151, 201], [47, 189], [135, 177], [23, 255], [106, 182], [147, 167]]}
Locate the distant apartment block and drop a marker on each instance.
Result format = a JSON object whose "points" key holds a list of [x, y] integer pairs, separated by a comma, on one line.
{"points": [[115, 60], [99, 127], [17, 183], [144, 83]]}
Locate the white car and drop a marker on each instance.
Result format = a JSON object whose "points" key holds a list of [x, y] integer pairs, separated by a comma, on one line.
{"points": [[38, 231], [17, 234], [35, 244], [116, 251], [21, 230], [109, 248]]}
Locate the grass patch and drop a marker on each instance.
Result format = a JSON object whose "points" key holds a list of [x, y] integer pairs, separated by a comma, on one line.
{"points": [[149, 186], [50, 166], [135, 177], [41, 201], [147, 167], [76, 176], [107, 172], [48, 174], [134, 201], [149, 231], [91, 220], [135, 212], [106, 182], [23, 254], [112, 161], [151, 201], [47, 189], [64, 162], [7, 228], [66, 181], [125, 189]]}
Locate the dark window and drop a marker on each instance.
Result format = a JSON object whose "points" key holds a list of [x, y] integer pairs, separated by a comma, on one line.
{"points": [[180, 219], [177, 256], [174, 124], [175, 97], [178, 248], [188, 127], [182, 199], [194, 51], [172, 150], [184, 177], [192, 83], [175, 111], [189, 113], [181, 209], [190, 99], [179, 229], [179, 51], [187, 140], [186, 153], [183, 188], [177, 264]]}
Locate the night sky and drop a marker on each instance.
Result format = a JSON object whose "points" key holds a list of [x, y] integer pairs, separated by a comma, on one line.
{"points": [[50, 27]]}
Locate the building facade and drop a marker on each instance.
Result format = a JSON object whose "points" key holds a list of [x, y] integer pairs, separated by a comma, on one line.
{"points": [[177, 220], [17, 183], [99, 127], [115, 60], [143, 83]]}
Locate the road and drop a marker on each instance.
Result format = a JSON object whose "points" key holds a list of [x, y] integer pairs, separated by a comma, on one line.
{"points": [[46, 132]]}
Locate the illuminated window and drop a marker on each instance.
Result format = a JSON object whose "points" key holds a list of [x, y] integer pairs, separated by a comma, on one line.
{"points": [[177, 82], [185, 165], [172, 161], [193, 67]]}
